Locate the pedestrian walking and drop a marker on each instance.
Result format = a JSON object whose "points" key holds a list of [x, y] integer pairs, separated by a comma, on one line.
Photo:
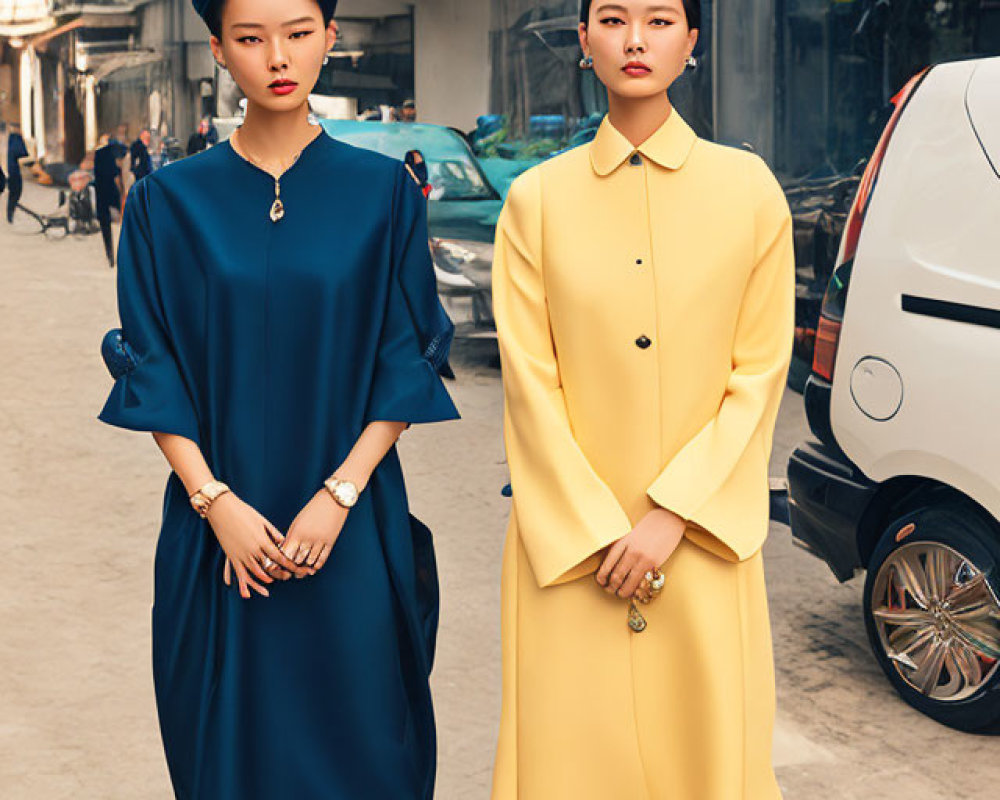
{"points": [[644, 294], [281, 328], [141, 163], [199, 140], [108, 189], [408, 111], [416, 165], [120, 136], [16, 150]]}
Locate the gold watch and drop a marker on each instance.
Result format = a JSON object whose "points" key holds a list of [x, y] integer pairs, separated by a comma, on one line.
{"points": [[201, 501], [344, 492]]}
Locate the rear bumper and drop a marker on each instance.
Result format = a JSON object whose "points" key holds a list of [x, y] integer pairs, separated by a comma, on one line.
{"points": [[827, 495], [816, 396]]}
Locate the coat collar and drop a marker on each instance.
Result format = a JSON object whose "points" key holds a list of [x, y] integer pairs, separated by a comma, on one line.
{"points": [[669, 146]]}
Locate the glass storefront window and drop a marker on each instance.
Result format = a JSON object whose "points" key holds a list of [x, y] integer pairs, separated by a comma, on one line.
{"points": [[840, 62], [372, 64]]}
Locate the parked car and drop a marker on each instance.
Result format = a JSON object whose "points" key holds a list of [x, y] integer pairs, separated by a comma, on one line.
{"points": [[819, 204], [463, 211], [903, 480]]}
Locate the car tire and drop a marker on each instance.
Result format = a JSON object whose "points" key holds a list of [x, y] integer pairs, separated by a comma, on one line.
{"points": [[932, 613]]}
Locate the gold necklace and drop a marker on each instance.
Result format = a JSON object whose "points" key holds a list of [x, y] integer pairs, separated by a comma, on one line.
{"points": [[277, 207]]}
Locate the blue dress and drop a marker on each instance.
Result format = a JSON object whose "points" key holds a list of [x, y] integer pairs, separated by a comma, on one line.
{"points": [[273, 345]]}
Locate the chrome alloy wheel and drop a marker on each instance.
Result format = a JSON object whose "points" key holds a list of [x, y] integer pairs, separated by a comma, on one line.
{"points": [[938, 620]]}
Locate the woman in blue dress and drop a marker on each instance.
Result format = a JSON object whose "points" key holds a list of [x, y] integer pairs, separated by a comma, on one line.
{"points": [[280, 329]]}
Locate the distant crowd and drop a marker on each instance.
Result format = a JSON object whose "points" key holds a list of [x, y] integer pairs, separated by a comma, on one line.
{"points": [[101, 182], [106, 174]]}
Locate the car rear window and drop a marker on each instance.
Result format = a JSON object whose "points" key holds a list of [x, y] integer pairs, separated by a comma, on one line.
{"points": [[983, 102], [453, 171]]}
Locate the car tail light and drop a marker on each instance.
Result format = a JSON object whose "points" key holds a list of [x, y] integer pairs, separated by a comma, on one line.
{"points": [[835, 299], [825, 352]]}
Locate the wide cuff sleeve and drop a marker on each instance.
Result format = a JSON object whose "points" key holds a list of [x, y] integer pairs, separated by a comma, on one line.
{"points": [[149, 392], [565, 513], [416, 332], [718, 480]]}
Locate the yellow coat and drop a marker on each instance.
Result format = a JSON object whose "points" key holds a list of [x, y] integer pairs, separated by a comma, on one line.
{"points": [[645, 306]]}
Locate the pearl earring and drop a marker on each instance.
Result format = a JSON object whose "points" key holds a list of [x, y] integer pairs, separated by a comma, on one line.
{"points": [[326, 60], [691, 62], [587, 62]]}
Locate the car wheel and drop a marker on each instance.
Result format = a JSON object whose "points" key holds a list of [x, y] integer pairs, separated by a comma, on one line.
{"points": [[933, 617]]}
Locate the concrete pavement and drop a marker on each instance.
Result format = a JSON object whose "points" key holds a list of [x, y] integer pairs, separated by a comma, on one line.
{"points": [[80, 507]]}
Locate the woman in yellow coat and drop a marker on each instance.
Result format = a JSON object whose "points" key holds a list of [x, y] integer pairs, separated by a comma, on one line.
{"points": [[644, 294]]}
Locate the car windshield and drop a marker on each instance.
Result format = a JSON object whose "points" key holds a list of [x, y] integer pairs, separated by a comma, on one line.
{"points": [[452, 169]]}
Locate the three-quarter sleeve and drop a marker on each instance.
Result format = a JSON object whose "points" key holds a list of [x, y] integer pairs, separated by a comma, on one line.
{"points": [[718, 480], [565, 513], [416, 331], [151, 394]]}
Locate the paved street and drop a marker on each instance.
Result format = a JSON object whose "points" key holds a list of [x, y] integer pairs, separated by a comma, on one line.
{"points": [[80, 505]]}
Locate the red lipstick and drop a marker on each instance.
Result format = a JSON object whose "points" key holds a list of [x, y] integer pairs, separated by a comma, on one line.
{"points": [[283, 86], [636, 69]]}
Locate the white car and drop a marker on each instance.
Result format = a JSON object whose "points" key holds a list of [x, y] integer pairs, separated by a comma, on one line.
{"points": [[904, 399]]}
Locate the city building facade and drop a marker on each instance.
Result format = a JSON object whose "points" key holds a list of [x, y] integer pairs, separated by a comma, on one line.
{"points": [[70, 72], [806, 83]]}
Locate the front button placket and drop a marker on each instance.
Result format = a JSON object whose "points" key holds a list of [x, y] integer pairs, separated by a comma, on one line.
{"points": [[646, 320]]}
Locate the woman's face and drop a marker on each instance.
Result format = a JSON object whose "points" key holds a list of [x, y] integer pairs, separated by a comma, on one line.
{"points": [[274, 51], [639, 47]]}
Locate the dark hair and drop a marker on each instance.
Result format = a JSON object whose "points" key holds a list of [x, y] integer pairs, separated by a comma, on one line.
{"points": [[692, 10], [213, 15]]}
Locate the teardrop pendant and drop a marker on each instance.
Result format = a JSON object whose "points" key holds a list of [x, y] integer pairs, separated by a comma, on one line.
{"points": [[277, 207], [277, 210], [636, 621]]}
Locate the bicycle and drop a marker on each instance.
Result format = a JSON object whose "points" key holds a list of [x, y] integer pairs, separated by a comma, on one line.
{"points": [[77, 217]]}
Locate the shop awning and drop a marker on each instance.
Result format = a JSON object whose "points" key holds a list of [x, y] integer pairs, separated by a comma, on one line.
{"points": [[567, 23], [27, 28], [121, 61]]}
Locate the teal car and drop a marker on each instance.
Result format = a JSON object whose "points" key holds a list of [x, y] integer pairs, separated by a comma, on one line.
{"points": [[463, 207]]}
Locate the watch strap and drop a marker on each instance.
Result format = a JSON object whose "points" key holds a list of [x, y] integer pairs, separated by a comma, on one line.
{"points": [[201, 500]]}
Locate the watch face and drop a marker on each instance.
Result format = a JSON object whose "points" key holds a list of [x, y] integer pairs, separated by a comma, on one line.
{"points": [[347, 494]]}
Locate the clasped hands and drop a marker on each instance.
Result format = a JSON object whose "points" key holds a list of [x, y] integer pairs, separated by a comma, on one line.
{"points": [[644, 549], [258, 554]]}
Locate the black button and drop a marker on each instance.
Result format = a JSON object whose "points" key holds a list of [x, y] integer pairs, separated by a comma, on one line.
{"points": [[636, 160], [638, 261], [643, 342]]}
